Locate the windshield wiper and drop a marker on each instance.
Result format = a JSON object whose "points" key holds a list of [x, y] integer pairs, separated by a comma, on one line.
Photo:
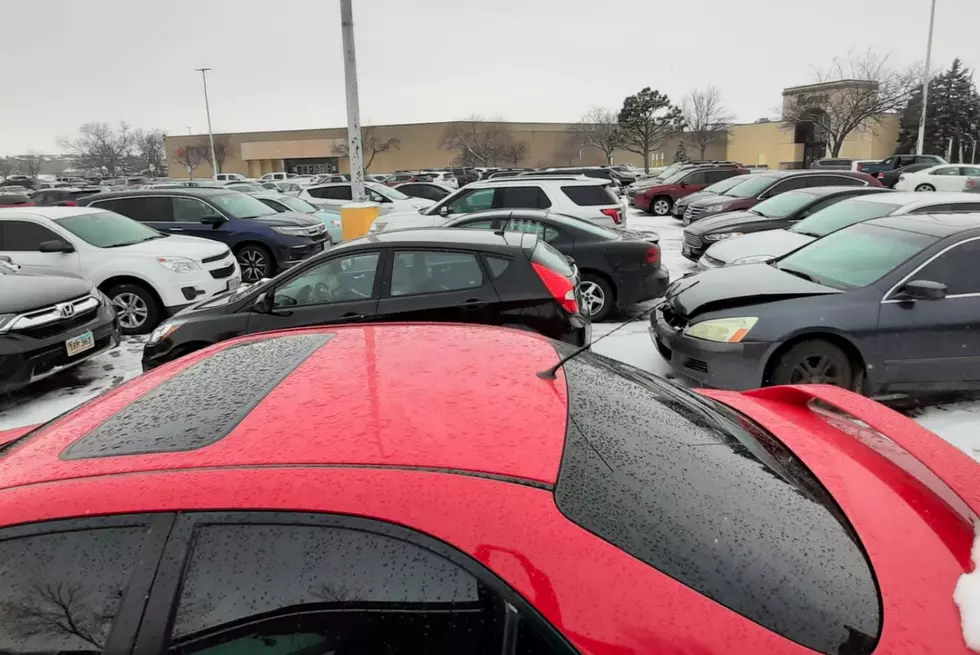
{"points": [[758, 213], [799, 274], [125, 243], [808, 234], [156, 236]]}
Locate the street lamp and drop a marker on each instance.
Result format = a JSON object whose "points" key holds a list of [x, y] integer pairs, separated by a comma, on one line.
{"points": [[354, 148], [207, 108], [925, 83]]}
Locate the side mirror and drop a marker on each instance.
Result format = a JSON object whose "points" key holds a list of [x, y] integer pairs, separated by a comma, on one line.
{"points": [[213, 219], [444, 210], [56, 245], [263, 303], [683, 184], [923, 290]]}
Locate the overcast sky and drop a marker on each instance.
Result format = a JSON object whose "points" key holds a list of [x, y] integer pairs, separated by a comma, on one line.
{"points": [[279, 65]]}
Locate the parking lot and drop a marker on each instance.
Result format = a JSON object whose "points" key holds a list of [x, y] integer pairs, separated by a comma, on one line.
{"points": [[954, 420]]}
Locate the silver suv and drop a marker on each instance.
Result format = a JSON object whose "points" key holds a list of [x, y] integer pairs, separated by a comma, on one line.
{"points": [[583, 197]]}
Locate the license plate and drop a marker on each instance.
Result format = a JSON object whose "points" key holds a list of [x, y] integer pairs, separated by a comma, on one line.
{"points": [[80, 344], [234, 283]]}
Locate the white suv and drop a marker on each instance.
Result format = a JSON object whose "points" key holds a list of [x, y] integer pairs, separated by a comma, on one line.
{"points": [[582, 197], [148, 275], [230, 177]]}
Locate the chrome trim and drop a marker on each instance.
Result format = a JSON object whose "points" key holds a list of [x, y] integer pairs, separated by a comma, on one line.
{"points": [[886, 299], [52, 313], [113, 342]]}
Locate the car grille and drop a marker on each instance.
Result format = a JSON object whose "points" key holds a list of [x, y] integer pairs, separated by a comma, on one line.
{"points": [[696, 364], [49, 321], [221, 273], [57, 327], [692, 240], [693, 212], [216, 258]]}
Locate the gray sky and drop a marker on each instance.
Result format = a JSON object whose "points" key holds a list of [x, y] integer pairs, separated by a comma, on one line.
{"points": [[279, 65]]}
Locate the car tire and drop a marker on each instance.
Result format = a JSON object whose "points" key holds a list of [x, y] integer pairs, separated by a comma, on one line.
{"points": [[816, 362], [925, 187], [597, 296], [255, 262], [661, 206], [137, 309]]}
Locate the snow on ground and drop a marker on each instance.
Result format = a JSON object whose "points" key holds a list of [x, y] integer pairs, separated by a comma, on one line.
{"points": [[957, 422]]}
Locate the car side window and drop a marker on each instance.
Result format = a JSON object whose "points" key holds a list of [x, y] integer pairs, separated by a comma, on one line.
{"points": [[718, 176], [697, 177], [191, 210], [150, 209], [946, 170], [522, 197], [497, 265], [790, 184], [276, 589], [472, 200], [278, 206], [24, 236], [61, 590], [477, 225], [341, 279], [417, 272], [833, 180], [970, 171], [956, 268], [546, 232]]}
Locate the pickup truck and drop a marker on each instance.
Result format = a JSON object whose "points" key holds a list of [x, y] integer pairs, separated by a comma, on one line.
{"points": [[898, 161]]}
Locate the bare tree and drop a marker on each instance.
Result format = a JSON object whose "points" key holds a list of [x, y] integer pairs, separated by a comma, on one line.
{"points": [[101, 147], [222, 148], [599, 128], [190, 157], [706, 117], [869, 88], [7, 166], [515, 153], [371, 144], [31, 164], [58, 609], [481, 142], [149, 146]]}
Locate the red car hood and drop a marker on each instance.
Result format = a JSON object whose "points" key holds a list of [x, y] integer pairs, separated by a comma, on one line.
{"points": [[911, 497]]}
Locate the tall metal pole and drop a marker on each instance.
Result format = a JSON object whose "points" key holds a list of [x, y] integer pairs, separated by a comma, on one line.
{"points": [[207, 108], [354, 146], [925, 83]]}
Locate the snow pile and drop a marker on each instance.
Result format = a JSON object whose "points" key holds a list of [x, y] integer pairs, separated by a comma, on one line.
{"points": [[967, 598]]}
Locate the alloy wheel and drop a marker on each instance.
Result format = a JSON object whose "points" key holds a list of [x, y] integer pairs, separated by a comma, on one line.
{"points": [[924, 188], [593, 297], [253, 264], [818, 369], [131, 310], [661, 207]]}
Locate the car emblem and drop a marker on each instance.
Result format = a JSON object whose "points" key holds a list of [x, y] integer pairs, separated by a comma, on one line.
{"points": [[66, 309]]}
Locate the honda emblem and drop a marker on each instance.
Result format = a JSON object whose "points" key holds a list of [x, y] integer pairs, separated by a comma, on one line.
{"points": [[66, 310]]}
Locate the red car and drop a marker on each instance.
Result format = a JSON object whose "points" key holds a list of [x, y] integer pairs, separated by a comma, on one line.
{"points": [[408, 489], [660, 199]]}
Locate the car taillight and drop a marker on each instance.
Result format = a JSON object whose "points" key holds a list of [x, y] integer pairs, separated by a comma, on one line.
{"points": [[559, 286], [653, 255], [614, 213], [972, 182], [69, 203]]}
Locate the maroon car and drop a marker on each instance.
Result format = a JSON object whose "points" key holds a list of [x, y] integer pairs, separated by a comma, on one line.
{"points": [[766, 185], [659, 199]]}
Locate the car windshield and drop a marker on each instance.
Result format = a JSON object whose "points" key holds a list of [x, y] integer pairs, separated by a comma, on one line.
{"points": [[784, 204], [296, 204], [854, 257], [751, 187], [676, 177], [240, 205], [108, 229], [387, 191], [242, 186], [725, 185], [839, 215]]}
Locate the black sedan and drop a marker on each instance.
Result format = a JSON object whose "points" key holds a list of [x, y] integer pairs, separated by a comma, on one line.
{"points": [[453, 276], [776, 213], [887, 306], [619, 267]]}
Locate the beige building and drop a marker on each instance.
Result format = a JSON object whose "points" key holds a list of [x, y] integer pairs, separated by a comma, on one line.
{"points": [[420, 145]]}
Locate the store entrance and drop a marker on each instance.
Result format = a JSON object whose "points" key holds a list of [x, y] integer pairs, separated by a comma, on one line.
{"points": [[312, 165]]}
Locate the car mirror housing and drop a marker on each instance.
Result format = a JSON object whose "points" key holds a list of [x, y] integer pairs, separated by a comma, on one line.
{"points": [[214, 219], [444, 210], [263, 303], [56, 245], [923, 290]]}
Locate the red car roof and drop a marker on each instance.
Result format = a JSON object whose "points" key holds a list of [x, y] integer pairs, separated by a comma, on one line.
{"points": [[474, 411]]}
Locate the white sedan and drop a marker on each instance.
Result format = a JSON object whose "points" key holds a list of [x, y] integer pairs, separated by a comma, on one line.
{"points": [[945, 177], [388, 199]]}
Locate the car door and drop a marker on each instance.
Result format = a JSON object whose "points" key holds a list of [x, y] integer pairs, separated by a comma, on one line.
{"points": [[341, 289], [694, 182], [21, 240], [196, 218], [444, 285], [946, 178], [935, 344]]}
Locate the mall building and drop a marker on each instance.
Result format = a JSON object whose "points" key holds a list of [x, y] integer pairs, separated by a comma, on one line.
{"points": [[768, 144]]}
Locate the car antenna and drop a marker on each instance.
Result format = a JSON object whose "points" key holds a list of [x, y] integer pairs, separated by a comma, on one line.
{"points": [[549, 373]]}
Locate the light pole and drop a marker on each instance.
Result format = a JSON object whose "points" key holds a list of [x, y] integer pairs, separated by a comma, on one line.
{"points": [[207, 108], [354, 145], [925, 83]]}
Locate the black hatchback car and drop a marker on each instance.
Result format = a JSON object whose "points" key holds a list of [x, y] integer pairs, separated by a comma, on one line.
{"points": [[618, 267], [886, 306], [432, 275]]}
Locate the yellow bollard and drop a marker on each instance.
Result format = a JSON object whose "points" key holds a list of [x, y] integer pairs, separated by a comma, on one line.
{"points": [[356, 218]]}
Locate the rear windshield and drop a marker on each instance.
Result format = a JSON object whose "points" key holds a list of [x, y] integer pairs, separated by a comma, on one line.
{"points": [[590, 196], [707, 497], [550, 258]]}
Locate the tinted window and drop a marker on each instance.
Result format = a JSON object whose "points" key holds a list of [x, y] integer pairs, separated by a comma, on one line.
{"points": [[793, 183], [947, 170], [712, 177], [191, 210], [697, 177], [521, 197], [278, 206], [833, 180], [24, 236], [472, 200], [418, 272], [331, 192], [707, 497], [497, 265], [970, 171], [61, 591], [280, 589], [477, 225], [956, 269], [344, 279], [144, 210], [545, 232], [590, 196]]}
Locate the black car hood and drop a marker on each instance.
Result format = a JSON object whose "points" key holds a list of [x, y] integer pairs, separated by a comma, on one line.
{"points": [[774, 243], [736, 286], [288, 219], [728, 221], [22, 292]]}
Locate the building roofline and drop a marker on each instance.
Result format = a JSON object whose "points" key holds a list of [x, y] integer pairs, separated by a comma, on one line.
{"points": [[828, 85], [344, 127]]}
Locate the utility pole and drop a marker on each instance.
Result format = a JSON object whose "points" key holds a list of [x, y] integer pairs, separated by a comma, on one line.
{"points": [[354, 145], [207, 108], [925, 83]]}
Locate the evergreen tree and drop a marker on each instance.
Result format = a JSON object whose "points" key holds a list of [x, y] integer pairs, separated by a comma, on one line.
{"points": [[953, 113], [646, 120], [680, 155]]}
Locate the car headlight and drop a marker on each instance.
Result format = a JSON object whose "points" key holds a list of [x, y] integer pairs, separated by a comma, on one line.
{"points": [[753, 259], [721, 236], [716, 208], [179, 265], [724, 330], [163, 331], [292, 231]]}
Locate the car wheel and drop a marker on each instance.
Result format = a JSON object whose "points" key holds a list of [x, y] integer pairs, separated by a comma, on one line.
{"points": [[136, 308], [925, 187], [661, 206], [255, 262], [815, 362], [597, 296]]}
